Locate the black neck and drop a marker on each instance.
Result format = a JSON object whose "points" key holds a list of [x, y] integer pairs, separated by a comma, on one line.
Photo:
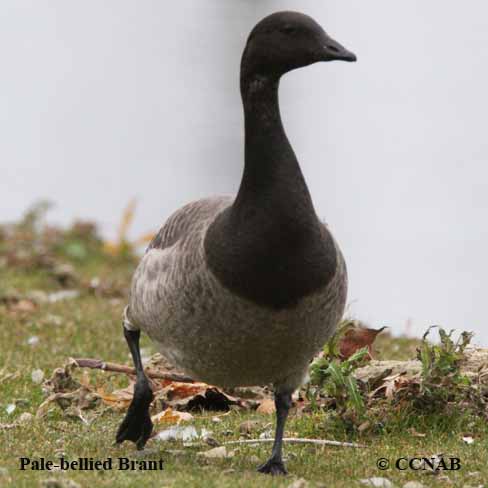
{"points": [[272, 175], [269, 245]]}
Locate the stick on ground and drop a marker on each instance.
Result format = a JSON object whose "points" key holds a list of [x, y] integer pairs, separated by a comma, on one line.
{"points": [[120, 368], [296, 440]]}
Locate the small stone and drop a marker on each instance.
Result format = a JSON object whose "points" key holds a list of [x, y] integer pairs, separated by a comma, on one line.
{"points": [[413, 484], [37, 376], [176, 452], [58, 296], [377, 482], [254, 459], [37, 296], [52, 319], [216, 453], [444, 478], [32, 340], [299, 483], [10, 408], [57, 483], [26, 418], [216, 420], [267, 434], [146, 452]]}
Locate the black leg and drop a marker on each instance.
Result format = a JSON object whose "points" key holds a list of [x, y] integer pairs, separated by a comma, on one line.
{"points": [[137, 425], [274, 465]]}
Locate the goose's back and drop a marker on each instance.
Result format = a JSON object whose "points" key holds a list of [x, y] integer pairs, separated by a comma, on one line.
{"points": [[166, 272], [190, 218], [211, 333]]}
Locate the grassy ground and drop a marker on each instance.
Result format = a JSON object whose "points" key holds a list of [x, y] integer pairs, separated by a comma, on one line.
{"points": [[90, 326]]}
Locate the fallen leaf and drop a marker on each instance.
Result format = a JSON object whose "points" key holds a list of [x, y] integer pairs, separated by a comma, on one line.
{"points": [[9, 377], [414, 433], [171, 416], [355, 338], [178, 391], [267, 406], [206, 398], [118, 399], [364, 426], [61, 380], [75, 412], [248, 426], [24, 306]]}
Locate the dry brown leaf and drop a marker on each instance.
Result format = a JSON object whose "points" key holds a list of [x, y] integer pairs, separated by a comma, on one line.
{"points": [[44, 406], [249, 426], [391, 384], [199, 396], [61, 380], [23, 306], [9, 377], [118, 399], [356, 338], [414, 433], [177, 391], [364, 426], [267, 406], [170, 416]]}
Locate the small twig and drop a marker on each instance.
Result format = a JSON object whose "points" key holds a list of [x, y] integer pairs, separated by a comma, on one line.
{"points": [[295, 440], [120, 368]]}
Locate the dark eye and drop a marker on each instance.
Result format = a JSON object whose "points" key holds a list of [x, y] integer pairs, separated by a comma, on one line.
{"points": [[288, 29]]}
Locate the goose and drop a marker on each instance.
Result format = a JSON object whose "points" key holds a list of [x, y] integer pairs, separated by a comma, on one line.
{"points": [[244, 291]]}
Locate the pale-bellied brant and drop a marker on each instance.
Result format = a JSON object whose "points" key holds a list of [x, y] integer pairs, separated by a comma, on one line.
{"points": [[245, 291]]}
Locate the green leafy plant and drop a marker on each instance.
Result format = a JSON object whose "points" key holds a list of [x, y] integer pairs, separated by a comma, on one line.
{"points": [[441, 380], [332, 376]]}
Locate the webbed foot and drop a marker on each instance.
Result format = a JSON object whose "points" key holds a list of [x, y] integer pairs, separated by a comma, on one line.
{"points": [[273, 467], [137, 425]]}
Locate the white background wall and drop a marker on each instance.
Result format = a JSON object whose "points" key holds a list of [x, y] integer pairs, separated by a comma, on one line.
{"points": [[104, 101]]}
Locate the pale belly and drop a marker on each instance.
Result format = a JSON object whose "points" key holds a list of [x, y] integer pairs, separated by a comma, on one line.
{"points": [[217, 337]]}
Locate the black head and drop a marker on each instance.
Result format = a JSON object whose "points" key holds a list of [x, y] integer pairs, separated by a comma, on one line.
{"points": [[284, 41]]}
